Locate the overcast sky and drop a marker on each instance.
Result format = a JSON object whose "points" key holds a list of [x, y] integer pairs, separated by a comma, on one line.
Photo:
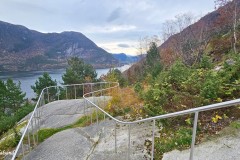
{"points": [[115, 25]]}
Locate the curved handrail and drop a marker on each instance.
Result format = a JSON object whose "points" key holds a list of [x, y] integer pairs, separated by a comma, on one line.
{"points": [[168, 115], [26, 128], [36, 106], [116, 85]]}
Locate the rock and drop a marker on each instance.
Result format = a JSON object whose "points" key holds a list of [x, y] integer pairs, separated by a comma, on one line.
{"points": [[230, 62], [218, 68]]}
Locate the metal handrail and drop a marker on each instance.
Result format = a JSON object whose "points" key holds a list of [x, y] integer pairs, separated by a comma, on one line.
{"points": [[26, 128], [35, 111], [129, 123], [168, 115]]}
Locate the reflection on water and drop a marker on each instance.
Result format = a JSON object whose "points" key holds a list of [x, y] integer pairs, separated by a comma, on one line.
{"points": [[28, 78]]}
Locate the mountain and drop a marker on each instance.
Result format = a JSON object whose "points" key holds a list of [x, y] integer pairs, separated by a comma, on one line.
{"points": [[22, 49], [213, 35], [127, 59]]}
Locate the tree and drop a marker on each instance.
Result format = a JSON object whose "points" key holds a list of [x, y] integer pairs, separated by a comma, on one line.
{"points": [[152, 55], [78, 72], [153, 60], [114, 75], [182, 41], [14, 95], [168, 29], [44, 81], [3, 91], [230, 16]]}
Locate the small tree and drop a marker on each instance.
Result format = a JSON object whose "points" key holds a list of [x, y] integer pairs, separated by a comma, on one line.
{"points": [[78, 72], [114, 75], [3, 91], [44, 81], [153, 60], [14, 95]]}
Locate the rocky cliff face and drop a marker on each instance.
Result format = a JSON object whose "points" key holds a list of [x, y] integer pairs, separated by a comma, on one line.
{"points": [[22, 49]]}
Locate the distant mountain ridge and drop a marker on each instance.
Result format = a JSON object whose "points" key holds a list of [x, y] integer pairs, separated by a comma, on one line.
{"points": [[126, 59], [22, 49]]}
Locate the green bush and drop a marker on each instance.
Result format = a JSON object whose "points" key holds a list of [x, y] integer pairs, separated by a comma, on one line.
{"points": [[181, 87], [7, 122], [206, 62], [211, 86], [138, 88]]}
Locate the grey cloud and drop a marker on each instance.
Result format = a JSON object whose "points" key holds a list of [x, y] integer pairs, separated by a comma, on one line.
{"points": [[123, 45], [115, 14], [75, 15]]}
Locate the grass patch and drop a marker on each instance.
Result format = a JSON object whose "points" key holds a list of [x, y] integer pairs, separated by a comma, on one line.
{"points": [[172, 139], [10, 141], [47, 132], [235, 124], [43, 134], [11, 138]]}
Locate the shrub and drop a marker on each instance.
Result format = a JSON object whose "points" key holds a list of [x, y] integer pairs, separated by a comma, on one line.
{"points": [[138, 88], [7, 122]]}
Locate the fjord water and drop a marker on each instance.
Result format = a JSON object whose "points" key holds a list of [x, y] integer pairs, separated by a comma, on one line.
{"points": [[29, 78]]}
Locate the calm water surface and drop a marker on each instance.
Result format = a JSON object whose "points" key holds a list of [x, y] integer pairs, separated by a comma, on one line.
{"points": [[29, 78]]}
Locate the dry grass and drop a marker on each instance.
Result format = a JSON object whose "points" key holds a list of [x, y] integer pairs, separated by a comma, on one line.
{"points": [[125, 101]]}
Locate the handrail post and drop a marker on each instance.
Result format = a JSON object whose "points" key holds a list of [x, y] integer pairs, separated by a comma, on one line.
{"points": [[58, 91], [75, 91], [115, 135], [91, 88], [48, 95], [101, 88], [29, 140], [129, 142], [83, 89], [34, 144], [153, 134], [84, 107], [23, 151], [36, 127], [66, 92], [194, 135], [97, 116]]}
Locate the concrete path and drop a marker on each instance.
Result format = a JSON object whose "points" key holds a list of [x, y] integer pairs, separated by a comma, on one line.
{"points": [[96, 142], [61, 113], [65, 145]]}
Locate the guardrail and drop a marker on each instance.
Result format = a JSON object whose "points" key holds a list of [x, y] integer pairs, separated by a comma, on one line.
{"points": [[194, 111], [90, 92], [29, 138]]}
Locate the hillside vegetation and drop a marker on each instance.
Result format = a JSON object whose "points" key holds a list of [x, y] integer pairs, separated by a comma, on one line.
{"points": [[197, 66]]}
